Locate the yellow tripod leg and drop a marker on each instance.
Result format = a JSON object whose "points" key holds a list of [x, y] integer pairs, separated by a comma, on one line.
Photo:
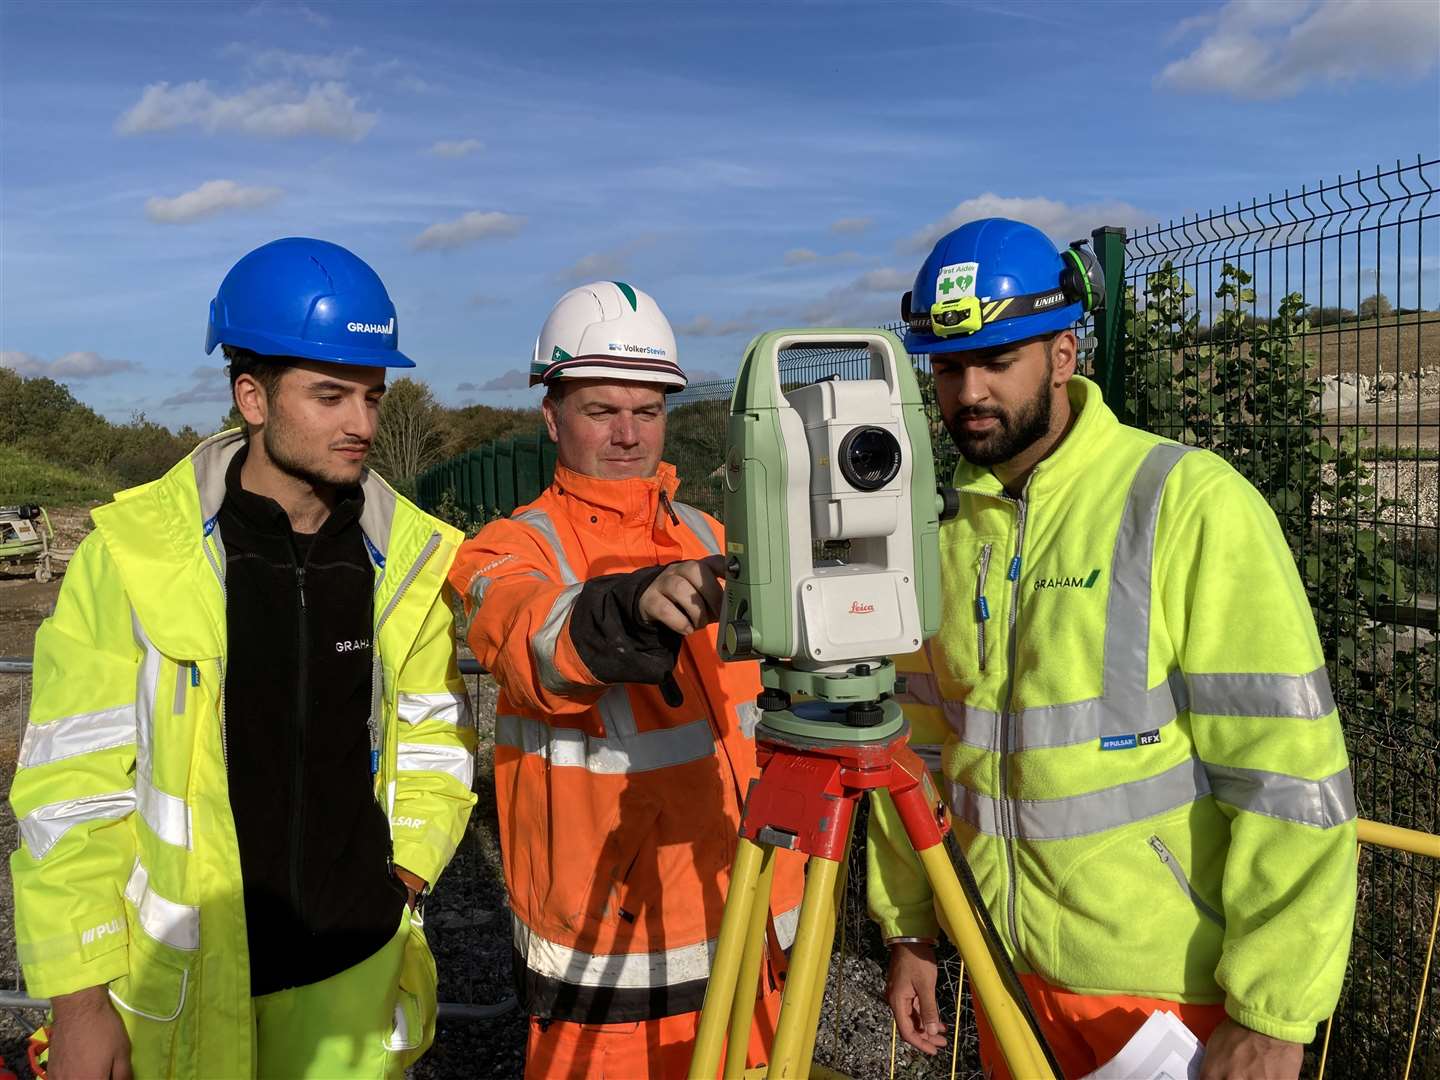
{"points": [[817, 999], [729, 951], [742, 1011], [1017, 1042], [810, 946]]}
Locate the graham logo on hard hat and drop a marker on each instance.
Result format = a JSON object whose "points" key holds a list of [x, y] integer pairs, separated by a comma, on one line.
{"points": [[607, 330], [995, 281], [307, 299]]}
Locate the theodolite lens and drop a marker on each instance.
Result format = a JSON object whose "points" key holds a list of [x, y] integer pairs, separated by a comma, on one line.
{"points": [[869, 458]]}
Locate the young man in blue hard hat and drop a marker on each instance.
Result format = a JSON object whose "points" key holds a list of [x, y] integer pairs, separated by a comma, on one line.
{"points": [[1144, 762], [249, 749]]}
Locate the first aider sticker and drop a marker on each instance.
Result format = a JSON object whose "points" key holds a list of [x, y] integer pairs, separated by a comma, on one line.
{"points": [[956, 280]]}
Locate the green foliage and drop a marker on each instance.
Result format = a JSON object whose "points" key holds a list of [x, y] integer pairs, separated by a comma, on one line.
{"points": [[469, 427], [695, 445], [26, 477], [1328, 316], [1375, 306], [1247, 396]]}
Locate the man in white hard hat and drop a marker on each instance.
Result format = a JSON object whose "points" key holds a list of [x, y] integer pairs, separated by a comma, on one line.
{"points": [[620, 763]]}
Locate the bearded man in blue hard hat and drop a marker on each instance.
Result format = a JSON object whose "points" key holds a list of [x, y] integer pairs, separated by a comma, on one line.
{"points": [[1142, 755], [249, 750]]}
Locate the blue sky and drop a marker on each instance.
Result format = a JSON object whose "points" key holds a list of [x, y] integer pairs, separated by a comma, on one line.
{"points": [[749, 165]]}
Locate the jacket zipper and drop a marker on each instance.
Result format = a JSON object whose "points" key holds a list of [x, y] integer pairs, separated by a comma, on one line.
{"points": [[1007, 809], [302, 711], [1173, 864], [205, 543], [982, 605]]}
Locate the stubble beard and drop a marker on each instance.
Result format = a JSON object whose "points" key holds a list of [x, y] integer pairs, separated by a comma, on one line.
{"points": [[275, 438]]}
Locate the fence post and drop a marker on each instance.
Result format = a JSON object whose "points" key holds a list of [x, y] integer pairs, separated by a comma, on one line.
{"points": [[1109, 243]]}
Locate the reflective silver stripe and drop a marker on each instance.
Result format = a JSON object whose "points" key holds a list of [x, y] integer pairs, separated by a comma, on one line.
{"points": [[83, 733], [1321, 803], [1298, 697], [613, 755], [921, 688], [541, 523], [42, 828], [786, 923], [1074, 722], [1081, 815], [1127, 614], [637, 970], [542, 645], [167, 815], [177, 925], [698, 525], [479, 586], [425, 757], [447, 707]]}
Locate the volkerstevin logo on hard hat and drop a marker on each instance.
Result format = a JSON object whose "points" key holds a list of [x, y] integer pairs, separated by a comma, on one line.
{"points": [[638, 350], [372, 328]]}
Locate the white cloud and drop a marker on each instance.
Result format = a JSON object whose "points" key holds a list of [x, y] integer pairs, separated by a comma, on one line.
{"points": [[456, 149], [1257, 49], [72, 365], [210, 198], [334, 65], [274, 109], [605, 265], [804, 256], [1062, 222], [206, 385], [468, 229], [705, 326], [851, 225], [294, 12], [870, 299]]}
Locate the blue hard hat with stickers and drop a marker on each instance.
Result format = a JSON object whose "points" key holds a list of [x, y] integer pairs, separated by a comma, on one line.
{"points": [[996, 281], [308, 299]]}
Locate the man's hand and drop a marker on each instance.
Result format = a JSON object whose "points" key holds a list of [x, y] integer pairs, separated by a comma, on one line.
{"points": [[685, 595], [1235, 1052], [87, 1038], [414, 884], [910, 991]]}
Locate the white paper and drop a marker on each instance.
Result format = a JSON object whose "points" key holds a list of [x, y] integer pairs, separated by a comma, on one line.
{"points": [[1163, 1049]]}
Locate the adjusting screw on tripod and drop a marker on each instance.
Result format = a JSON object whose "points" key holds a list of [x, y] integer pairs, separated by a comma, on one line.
{"points": [[864, 714], [771, 700]]}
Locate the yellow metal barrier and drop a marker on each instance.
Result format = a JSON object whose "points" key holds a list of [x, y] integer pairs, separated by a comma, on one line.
{"points": [[1416, 843]]}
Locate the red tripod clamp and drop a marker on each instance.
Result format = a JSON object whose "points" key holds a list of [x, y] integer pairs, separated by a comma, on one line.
{"points": [[805, 795]]}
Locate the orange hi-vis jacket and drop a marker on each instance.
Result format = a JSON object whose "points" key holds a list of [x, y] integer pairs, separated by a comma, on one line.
{"points": [[620, 760]]}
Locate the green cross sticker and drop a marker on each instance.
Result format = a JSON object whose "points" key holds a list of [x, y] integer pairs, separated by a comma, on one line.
{"points": [[946, 284]]}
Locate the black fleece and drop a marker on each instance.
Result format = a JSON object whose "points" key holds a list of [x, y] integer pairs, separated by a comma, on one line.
{"points": [[314, 843]]}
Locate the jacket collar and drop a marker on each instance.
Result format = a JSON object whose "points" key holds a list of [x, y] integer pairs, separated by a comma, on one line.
{"points": [[1094, 425], [635, 501], [156, 534]]}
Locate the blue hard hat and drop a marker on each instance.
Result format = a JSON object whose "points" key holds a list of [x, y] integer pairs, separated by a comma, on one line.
{"points": [[998, 281], [306, 298]]}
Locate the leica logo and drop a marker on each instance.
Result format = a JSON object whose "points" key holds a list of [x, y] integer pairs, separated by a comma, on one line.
{"points": [[859, 608]]}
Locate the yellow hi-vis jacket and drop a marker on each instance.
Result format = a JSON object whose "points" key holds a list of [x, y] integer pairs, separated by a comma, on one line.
{"points": [[1144, 762], [128, 872]]}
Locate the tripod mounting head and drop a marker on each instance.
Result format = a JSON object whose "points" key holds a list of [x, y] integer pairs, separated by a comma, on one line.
{"points": [[848, 463]]}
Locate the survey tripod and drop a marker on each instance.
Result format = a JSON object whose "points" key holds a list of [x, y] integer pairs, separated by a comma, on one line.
{"points": [[805, 800]]}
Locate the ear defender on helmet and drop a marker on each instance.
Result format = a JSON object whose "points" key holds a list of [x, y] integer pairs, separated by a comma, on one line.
{"points": [[1082, 279]]}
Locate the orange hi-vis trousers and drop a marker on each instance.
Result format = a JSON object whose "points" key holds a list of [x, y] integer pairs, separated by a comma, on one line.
{"points": [[641, 1050], [1087, 1030]]}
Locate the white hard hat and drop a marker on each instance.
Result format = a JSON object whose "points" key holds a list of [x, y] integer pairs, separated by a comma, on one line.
{"points": [[607, 330]]}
